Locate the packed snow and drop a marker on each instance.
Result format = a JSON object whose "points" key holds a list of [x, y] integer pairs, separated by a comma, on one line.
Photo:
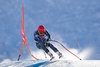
{"points": [[53, 63]]}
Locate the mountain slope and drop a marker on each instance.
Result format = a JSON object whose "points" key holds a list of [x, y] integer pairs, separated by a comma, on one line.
{"points": [[54, 63]]}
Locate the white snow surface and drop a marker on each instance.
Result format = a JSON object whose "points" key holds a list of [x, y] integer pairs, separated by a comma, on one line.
{"points": [[53, 63]]}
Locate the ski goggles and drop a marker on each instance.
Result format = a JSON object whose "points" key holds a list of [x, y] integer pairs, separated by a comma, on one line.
{"points": [[41, 32]]}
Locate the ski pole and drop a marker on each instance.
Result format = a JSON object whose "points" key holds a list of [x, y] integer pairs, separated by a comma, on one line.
{"points": [[45, 55], [66, 49]]}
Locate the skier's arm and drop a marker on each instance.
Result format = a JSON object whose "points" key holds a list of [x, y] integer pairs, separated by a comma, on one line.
{"points": [[36, 37], [48, 36]]}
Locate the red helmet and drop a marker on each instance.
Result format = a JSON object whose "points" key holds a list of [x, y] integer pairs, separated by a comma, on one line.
{"points": [[41, 30]]}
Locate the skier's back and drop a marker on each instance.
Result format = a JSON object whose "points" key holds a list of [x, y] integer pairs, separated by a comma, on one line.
{"points": [[42, 37]]}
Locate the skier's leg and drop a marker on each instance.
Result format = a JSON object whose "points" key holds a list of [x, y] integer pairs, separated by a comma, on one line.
{"points": [[44, 48], [41, 46], [52, 47], [47, 51], [38, 46], [55, 49]]}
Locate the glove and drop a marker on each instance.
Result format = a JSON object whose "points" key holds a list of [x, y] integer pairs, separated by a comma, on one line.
{"points": [[48, 39], [45, 44]]}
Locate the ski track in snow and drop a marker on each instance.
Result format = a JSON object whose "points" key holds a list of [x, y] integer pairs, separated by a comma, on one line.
{"points": [[53, 63]]}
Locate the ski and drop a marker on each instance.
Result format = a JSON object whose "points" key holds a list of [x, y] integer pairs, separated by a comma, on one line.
{"points": [[60, 57], [51, 58]]}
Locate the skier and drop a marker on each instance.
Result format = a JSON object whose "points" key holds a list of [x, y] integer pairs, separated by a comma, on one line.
{"points": [[42, 38]]}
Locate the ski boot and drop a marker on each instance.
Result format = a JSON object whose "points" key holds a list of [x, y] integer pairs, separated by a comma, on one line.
{"points": [[59, 54], [51, 56]]}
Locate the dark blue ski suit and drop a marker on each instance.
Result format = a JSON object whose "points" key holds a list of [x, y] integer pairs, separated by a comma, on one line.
{"points": [[42, 41]]}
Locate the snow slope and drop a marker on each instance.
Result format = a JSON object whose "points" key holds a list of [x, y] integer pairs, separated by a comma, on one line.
{"points": [[53, 63]]}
